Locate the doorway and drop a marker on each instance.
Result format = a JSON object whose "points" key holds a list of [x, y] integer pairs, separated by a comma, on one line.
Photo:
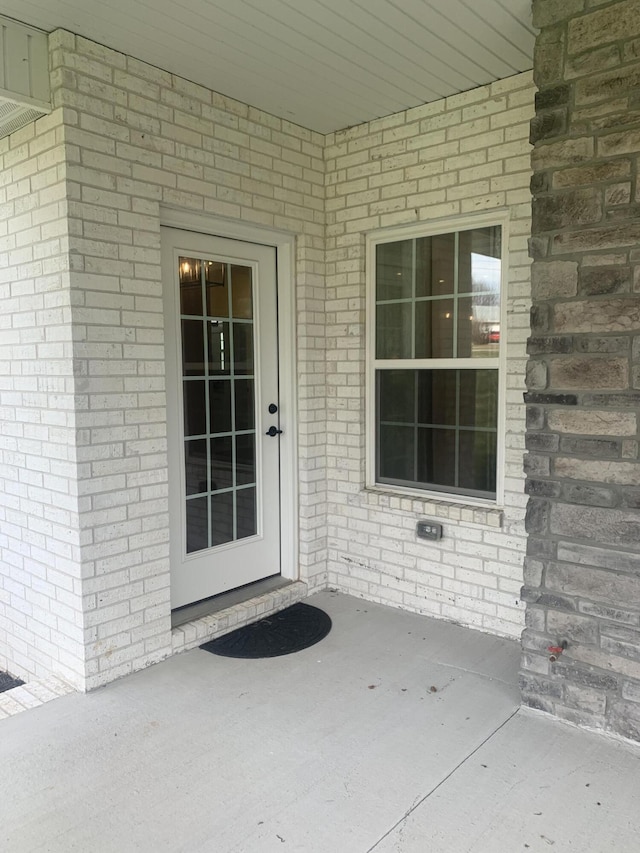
{"points": [[221, 339]]}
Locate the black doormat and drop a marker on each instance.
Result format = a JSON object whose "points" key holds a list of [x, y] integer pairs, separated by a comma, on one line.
{"points": [[290, 630], [7, 682]]}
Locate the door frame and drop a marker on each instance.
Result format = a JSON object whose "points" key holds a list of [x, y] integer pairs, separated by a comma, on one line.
{"points": [[284, 244]]}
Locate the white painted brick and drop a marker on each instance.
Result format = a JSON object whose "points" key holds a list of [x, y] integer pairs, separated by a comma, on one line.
{"points": [[182, 144]]}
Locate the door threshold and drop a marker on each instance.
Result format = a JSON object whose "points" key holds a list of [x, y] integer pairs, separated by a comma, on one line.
{"points": [[209, 606], [251, 603]]}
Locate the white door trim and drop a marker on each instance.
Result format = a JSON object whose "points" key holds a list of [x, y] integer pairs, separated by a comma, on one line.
{"points": [[284, 245]]}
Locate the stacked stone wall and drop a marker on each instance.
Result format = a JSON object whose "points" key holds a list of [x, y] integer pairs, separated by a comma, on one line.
{"points": [[582, 571]]}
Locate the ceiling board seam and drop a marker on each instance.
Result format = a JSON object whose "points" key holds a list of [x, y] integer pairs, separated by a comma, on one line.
{"points": [[357, 95], [477, 61], [349, 44], [525, 26], [372, 37], [501, 35], [351, 104], [444, 42]]}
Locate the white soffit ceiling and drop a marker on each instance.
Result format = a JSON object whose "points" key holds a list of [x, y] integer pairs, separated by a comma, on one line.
{"points": [[323, 64]]}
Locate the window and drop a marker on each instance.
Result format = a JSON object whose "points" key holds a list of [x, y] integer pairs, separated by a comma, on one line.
{"points": [[435, 343]]}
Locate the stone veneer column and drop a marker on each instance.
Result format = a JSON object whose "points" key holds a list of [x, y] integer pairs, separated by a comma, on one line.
{"points": [[582, 573]]}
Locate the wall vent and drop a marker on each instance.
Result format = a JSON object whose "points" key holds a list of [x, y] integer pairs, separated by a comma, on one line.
{"points": [[24, 75]]}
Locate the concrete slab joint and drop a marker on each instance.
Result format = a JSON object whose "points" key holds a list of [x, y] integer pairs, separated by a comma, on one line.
{"points": [[583, 525]]}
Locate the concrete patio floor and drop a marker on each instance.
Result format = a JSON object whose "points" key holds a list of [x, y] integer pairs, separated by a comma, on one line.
{"points": [[395, 733]]}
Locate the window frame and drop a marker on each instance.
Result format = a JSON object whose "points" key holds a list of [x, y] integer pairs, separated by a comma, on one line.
{"points": [[408, 232]]}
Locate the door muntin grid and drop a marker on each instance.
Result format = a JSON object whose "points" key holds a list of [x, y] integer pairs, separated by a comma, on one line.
{"points": [[219, 415]]}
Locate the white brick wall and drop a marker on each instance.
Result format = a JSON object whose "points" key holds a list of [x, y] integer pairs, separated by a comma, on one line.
{"points": [[142, 138], [133, 137], [461, 155], [41, 610], [83, 477]]}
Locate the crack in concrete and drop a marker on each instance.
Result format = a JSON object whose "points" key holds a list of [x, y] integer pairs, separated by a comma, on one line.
{"points": [[417, 803]]}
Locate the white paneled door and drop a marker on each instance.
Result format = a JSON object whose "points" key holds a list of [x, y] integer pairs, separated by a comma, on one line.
{"points": [[223, 422]]}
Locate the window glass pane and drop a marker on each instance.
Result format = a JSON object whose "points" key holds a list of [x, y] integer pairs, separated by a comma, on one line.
{"points": [[479, 254], [241, 299], [479, 398], [435, 260], [479, 274], [393, 331], [396, 453], [478, 461], [190, 287], [437, 397], [397, 392], [394, 270], [437, 456], [437, 428], [216, 288], [434, 329]]}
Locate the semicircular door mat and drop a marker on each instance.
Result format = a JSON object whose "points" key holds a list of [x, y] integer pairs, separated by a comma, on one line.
{"points": [[291, 630], [8, 682]]}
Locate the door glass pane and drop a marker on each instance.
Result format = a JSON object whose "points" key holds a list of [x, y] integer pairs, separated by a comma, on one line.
{"points": [[219, 405], [217, 289], [245, 459], [190, 287], [244, 403], [243, 348], [241, 299], [221, 463], [221, 518], [197, 524], [195, 415], [195, 462], [193, 347], [246, 512], [219, 346]]}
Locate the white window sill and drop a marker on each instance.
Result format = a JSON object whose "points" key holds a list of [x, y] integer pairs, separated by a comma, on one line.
{"points": [[479, 512]]}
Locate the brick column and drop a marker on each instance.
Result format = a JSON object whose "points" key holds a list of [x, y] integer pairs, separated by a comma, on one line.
{"points": [[582, 572]]}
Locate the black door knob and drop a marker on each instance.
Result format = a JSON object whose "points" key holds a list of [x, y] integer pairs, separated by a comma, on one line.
{"points": [[272, 408], [273, 431]]}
